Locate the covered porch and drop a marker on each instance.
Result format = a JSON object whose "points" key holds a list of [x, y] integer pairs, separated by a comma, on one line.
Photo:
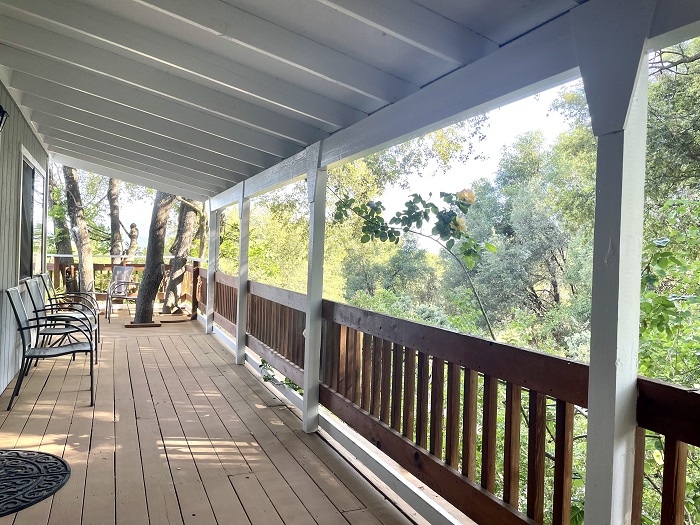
{"points": [[179, 434]]}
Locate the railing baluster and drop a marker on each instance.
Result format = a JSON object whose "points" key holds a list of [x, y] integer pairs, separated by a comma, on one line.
{"points": [[673, 492], [535, 456], [409, 394], [454, 395], [511, 449], [638, 475], [396, 387], [471, 382], [366, 371], [376, 376], [343, 361], [563, 454], [386, 381], [488, 444], [422, 401], [351, 370], [357, 367], [335, 357], [437, 405]]}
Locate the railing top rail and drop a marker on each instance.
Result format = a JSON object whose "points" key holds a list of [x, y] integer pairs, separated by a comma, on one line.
{"points": [[547, 374], [669, 409]]}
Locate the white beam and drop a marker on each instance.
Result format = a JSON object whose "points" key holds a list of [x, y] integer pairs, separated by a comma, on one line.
{"points": [[169, 54], [70, 104], [132, 144], [212, 266], [145, 162], [112, 66], [121, 173], [120, 158], [618, 107], [316, 180], [261, 36], [243, 249], [102, 87], [420, 27], [541, 59]]}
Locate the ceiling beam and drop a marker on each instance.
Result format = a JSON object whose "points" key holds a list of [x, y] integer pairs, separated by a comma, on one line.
{"points": [[419, 27], [45, 121], [115, 67], [166, 53], [76, 160], [278, 43], [133, 160], [43, 94], [68, 113], [102, 87]]}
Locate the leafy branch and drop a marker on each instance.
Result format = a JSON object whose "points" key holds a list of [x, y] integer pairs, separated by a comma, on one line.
{"points": [[449, 226]]}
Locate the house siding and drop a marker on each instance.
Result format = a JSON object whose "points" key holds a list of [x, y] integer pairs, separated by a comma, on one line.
{"points": [[17, 133]]}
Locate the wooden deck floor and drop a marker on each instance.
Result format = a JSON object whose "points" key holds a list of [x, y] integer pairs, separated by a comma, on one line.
{"points": [[178, 435]]}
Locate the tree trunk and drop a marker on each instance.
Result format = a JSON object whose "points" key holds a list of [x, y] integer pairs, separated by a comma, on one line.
{"points": [[153, 273], [79, 227], [202, 230], [133, 241], [116, 246], [58, 215], [180, 251]]}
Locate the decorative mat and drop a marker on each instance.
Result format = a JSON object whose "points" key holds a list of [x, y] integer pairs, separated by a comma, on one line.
{"points": [[27, 477]]}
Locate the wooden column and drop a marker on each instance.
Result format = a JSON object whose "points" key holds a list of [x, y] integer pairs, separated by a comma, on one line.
{"points": [[212, 263], [316, 182], [242, 305], [611, 41]]}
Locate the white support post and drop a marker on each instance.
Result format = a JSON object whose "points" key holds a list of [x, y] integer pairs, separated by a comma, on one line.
{"points": [[212, 264], [242, 306], [616, 89], [316, 179]]}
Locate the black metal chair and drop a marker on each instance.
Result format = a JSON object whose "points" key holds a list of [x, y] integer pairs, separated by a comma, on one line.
{"points": [[120, 288], [85, 299], [29, 335], [45, 314]]}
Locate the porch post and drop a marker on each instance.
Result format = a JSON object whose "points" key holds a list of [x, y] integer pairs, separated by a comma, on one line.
{"points": [[611, 40], [316, 179], [212, 264], [242, 305]]}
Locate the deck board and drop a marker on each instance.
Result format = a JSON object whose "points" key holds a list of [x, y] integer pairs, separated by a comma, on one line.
{"points": [[179, 435]]}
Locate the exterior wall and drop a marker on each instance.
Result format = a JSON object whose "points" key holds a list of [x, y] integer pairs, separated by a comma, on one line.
{"points": [[17, 133]]}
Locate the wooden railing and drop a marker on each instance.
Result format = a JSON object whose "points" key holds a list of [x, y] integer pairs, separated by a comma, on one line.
{"points": [[430, 399], [191, 289]]}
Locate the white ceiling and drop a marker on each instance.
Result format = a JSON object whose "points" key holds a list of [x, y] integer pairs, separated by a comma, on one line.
{"points": [[195, 96]]}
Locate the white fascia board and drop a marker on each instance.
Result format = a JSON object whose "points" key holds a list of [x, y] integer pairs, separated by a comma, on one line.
{"points": [[103, 152], [541, 59], [419, 27], [75, 161], [166, 53], [134, 145], [93, 121], [147, 102], [116, 67], [48, 97], [271, 40]]}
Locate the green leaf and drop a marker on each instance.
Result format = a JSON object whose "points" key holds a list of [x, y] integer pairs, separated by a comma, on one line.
{"points": [[365, 238], [450, 244], [490, 247]]}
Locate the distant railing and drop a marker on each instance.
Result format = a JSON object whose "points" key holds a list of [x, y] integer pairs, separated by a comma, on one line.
{"points": [[190, 290]]}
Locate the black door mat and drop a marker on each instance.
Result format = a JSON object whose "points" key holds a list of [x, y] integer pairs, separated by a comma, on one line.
{"points": [[27, 477]]}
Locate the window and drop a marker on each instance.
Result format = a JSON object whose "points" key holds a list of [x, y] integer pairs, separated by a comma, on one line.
{"points": [[32, 246]]}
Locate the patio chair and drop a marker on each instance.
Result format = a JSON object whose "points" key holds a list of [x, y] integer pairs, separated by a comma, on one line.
{"points": [[120, 287], [29, 334], [45, 316], [85, 299]]}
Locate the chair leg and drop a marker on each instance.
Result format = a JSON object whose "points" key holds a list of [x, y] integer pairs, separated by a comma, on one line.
{"points": [[18, 383], [92, 382]]}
